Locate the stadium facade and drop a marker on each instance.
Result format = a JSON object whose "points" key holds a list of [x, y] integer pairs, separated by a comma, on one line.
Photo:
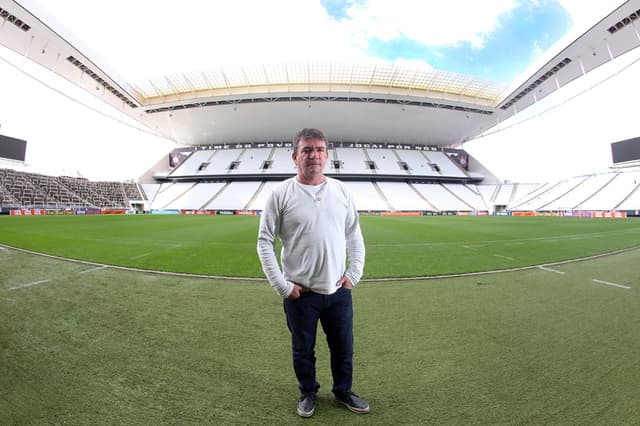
{"points": [[397, 135]]}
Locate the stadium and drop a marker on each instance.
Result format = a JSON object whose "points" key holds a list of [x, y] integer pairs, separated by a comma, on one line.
{"points": [[514, 301]]}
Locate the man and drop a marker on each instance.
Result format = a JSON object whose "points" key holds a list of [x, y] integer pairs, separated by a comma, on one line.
{"points": [[317, 222]]}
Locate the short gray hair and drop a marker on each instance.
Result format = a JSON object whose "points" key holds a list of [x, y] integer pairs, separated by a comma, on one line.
{"points": [[308, 133]]}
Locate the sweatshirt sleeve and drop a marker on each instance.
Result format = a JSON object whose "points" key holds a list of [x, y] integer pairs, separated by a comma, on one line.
{"points": [[267, 234], [355, 245]]}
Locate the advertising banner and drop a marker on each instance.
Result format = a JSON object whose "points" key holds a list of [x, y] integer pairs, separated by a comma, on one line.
{"points": [[400, 214], [198, 212], [165, 211]]}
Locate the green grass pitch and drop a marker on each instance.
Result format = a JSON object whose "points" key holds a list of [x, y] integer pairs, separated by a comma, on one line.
{"points": [[86, 344], [396, 246]]}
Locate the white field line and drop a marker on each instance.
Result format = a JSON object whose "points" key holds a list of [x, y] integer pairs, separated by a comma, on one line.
{"points": [[86, 271], [144, 271], [28, 285], [390, 279], [612, 284], [552, 238], [504, 257], [551, 270], [3, 248], [140, 256]]}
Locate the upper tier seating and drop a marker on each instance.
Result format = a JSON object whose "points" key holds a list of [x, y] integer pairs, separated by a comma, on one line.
{"points": [[386, 162], [341, 161]]}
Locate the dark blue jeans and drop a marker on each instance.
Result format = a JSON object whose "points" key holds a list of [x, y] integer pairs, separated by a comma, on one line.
{"points": [[335, 313]]}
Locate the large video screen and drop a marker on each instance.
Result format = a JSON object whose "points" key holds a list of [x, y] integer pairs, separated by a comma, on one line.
{"points": [[627, 150], [12, 148]]}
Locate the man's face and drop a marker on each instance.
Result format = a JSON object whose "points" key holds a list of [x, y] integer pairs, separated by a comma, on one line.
{"points": [[311, 157]]}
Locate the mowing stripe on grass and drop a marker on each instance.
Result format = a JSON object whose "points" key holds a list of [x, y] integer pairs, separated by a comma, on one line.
{"points": [[28, 284], [551, 270], [612, 284], [93, 269]]}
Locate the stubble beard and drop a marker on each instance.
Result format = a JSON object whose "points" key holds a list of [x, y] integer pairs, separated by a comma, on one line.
{"points": [[312, 172]]}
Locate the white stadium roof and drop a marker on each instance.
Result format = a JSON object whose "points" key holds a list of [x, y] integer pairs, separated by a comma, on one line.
{"points": [[374, 102]]}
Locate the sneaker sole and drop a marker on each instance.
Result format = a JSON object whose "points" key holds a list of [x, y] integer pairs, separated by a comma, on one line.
{"points": [[354, 409], [306, 414]]}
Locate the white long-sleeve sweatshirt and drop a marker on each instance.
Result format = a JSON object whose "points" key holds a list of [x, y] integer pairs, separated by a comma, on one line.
{"points": [[317, 233]]}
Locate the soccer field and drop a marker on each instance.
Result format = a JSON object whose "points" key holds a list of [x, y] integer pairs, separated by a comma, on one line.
{"points": [[90, 344], [396, 246]]}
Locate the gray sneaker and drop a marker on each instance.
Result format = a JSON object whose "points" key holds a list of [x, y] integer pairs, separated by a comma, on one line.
{"points": [[306, 405], [353, 402]]}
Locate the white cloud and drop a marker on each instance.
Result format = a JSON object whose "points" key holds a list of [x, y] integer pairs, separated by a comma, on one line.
{"points": [[433, 24], [146, 39], [536, 51]]}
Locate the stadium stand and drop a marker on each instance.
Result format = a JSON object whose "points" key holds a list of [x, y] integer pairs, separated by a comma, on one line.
{"points": [[234, 196], [195, 197], [469, 194], [381, 179], [544, 199], [196, 163], [150, 190], [281, 162], [351, 161], [403, 197], [258, 201], [581, 193], [500, 197], [417, 164], [168, 193], [442, 198], [368, 197], [503, 194], [31, 190], [621, 193], [442, 161], [386, 162], [251, 161], [632, 200]]}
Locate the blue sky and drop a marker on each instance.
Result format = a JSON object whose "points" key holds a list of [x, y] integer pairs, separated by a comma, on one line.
{"points": [[520, 35], [506, 53]]}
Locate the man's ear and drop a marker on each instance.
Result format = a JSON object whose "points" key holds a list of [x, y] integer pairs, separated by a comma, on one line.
{"points": [[294, 156]]}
